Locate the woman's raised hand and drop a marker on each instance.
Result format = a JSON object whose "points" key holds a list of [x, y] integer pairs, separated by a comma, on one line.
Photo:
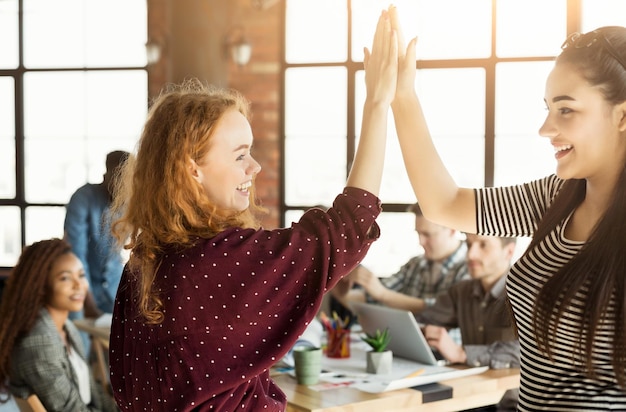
{"points": [[381, 75], [406, 57], [381, 63]]}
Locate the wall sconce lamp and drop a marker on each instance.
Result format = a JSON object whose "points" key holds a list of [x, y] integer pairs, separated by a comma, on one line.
{"points": [[238, 47], [241, 51], [263, 4], [154, 49]]}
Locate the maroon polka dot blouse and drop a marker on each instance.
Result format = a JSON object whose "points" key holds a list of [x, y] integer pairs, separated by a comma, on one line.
{"points": [[234, 304]]}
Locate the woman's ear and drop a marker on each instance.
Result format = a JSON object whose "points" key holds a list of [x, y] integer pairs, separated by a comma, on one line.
{"points": [[195, 171], [621, 113]]}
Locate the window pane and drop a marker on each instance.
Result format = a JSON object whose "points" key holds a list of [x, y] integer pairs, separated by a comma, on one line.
{"points": [[453, 101], [460, 143], [72, 104], [314, 173], [8, 34], [597, 13], [317, 31], [7, 138], [53, 178], [10, 235], [54, 105], [520, 153], [315, 101], [387, 254], [442, 34], [80, 117], [313, 124], [395, 185], [92, 33], [365, 14], [530, 27], [398, 243], [116, 32], [116, 103], [44, 223]]}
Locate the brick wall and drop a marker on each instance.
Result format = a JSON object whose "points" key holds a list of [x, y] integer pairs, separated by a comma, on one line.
{"points": [[192, 36]]}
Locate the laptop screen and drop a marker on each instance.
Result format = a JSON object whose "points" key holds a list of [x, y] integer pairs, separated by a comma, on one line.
{"points": [[407, 340]]}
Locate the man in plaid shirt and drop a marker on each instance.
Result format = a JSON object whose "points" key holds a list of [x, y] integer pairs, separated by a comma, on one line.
{"points": [[418, 282]]}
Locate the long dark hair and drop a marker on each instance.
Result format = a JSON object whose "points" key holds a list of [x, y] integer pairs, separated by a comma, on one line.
{"points": [[600, 266], [24, 296]]}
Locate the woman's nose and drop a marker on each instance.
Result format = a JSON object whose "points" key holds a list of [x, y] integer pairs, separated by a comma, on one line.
{"points": [[77, 283], [547, 129], [255, 167], [80, 282]]}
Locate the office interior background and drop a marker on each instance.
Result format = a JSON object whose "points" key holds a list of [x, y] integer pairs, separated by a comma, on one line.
{"points": [[77, 78]]}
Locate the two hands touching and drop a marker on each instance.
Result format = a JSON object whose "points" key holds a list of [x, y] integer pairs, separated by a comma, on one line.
{"points": [[395, 65]]}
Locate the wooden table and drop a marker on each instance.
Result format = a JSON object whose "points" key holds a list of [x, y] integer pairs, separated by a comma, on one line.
{"points": [[468, 392]]}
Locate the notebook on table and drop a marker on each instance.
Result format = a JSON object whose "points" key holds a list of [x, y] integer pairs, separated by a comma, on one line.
{"points": [[410, 350]]}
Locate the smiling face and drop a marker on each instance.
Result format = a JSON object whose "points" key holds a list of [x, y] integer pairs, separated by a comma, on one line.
{"points": [[67, 285], [582, 126], [227, 171]]}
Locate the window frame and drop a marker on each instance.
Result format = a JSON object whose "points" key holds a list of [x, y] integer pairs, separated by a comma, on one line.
{"points": [[18, 74]]}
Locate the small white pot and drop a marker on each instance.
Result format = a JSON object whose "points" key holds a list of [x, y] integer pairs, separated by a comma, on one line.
{"points": [[379, 363]]}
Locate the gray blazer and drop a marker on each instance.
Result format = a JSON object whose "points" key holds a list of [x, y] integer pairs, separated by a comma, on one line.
{"points": [[40, 365]]}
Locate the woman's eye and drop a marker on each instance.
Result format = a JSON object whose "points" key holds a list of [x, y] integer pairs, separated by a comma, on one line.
{"points": [[241, 157], [565, 110]]}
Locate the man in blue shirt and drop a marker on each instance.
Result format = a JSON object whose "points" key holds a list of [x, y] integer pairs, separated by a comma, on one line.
{"points": [[87, 229]]}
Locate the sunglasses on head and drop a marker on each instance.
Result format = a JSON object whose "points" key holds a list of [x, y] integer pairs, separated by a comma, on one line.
{"points": [[581, 41]]}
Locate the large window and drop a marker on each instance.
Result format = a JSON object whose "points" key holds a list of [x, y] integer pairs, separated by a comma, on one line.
{"points": [[73, 86], [482, 66]]}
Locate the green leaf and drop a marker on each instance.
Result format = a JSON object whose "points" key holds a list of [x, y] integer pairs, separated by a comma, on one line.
{"points": [[378, 341]]}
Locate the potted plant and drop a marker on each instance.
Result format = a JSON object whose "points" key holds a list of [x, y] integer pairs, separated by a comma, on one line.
{"points": [[379, 359]]}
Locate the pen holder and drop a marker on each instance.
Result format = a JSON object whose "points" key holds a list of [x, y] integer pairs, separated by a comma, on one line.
{"points": [[338, 345]]}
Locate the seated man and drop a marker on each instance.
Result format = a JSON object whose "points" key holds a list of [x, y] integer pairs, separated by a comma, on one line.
{"points": [[419, 281], [477, 306]]}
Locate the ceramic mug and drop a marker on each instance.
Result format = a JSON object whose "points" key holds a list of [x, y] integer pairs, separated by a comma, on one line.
{"points": [[308, 364]]}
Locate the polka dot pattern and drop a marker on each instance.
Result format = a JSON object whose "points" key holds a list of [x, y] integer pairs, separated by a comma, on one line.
{"points": [[233, 306]]}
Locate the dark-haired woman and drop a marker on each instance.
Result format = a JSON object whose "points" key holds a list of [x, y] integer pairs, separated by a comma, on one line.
{"points": [[568, 291], [41, 351]]}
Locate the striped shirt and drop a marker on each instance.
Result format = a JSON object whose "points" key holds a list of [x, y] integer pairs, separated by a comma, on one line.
{"points": [[559, 384]]}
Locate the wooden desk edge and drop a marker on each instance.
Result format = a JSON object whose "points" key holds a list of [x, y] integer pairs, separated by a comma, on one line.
{"points": [[489, 385]]}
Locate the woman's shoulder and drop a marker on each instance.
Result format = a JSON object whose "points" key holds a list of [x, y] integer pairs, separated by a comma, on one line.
{"points": [[548, 185], [42, 335], [544, 187]]}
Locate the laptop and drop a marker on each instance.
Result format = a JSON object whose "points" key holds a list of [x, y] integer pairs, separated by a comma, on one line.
{"points": [[410, 350], [407, 339]]}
